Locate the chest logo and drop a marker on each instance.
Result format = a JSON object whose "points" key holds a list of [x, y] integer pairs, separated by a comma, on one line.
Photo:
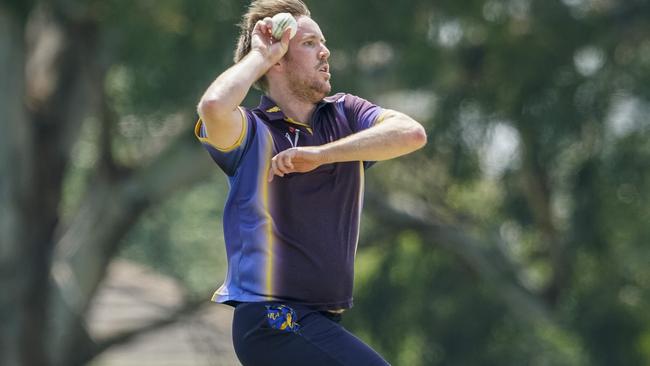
{"points": [[296, 136]]}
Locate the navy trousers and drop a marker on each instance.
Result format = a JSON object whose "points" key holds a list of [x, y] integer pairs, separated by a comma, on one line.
{"points": [[274, 334]]}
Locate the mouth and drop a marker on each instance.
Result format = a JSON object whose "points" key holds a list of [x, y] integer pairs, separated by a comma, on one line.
{"points": [[324, 68]]}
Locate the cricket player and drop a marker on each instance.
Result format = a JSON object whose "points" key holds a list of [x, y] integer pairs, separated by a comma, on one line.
{"points": [[295, 164]]}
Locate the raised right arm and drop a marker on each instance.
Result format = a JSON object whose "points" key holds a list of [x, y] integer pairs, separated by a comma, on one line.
{"points": [[218, 107]]}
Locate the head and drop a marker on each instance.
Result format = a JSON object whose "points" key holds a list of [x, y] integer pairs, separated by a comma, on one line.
{"points": [[303, 71]]}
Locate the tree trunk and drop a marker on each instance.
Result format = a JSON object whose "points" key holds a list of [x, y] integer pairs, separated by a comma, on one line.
{"points": [[109, 211], [15, 189]]}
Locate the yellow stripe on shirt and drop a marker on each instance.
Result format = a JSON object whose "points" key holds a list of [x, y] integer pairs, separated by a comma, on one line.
{"points": [[236, 144], [267, 215]]}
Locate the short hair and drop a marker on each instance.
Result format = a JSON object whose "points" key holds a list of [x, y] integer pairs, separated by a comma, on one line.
{"points": [[258, 10]]}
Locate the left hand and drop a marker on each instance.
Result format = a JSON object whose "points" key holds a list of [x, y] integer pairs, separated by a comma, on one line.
{"points": [[296, 160]]}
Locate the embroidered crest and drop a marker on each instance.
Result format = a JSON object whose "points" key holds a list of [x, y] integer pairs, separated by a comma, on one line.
{"points": [[282, 318], [273, 109]]}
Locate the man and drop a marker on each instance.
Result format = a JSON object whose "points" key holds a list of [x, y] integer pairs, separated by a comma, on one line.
{"points": [[295, 166]]}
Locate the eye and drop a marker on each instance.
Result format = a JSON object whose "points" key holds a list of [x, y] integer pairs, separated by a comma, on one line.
{"points": [[309, 43]]}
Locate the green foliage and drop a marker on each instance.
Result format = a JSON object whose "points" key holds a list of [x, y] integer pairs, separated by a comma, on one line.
{"points": [[182, 238], [418, 307], [19, 7], [167, 47]]}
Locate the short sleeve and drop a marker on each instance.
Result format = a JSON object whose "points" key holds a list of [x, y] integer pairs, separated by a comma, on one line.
{"points": [[228, 159], [361, 114]]}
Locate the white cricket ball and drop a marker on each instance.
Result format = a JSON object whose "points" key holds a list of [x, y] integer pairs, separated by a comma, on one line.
{"points": [[280, 22]]}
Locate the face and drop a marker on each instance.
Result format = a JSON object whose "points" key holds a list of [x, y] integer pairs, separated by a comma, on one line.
{"points": [[305, 64]]}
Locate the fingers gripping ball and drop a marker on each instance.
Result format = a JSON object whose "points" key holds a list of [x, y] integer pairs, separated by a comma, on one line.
{"points": [[280, 22]]}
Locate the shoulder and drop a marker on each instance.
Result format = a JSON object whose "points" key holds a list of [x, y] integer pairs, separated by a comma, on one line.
{"points": [[343, 98], [336, 98], [347, 103], [255, 116]]}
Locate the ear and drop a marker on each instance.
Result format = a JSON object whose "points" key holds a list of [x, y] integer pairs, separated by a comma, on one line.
{"points": [[277, 69], [280, 65]]}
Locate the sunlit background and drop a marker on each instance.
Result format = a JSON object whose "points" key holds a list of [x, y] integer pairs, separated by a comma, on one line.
{"points": [[518, 236]]}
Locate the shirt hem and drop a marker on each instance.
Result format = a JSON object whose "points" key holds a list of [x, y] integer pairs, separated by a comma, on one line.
{"points": [[322, 306]]}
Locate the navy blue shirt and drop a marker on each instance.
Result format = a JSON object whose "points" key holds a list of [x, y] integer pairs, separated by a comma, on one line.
{"points": [[293, 239]]}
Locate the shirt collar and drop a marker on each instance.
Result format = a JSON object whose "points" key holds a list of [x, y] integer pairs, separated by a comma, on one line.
{"points": [[273, 113]]}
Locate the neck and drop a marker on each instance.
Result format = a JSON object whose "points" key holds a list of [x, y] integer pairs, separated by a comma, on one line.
{"points": [[295, 108]]}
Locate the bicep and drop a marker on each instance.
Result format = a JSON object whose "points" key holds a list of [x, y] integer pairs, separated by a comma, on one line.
{"points": [[360, 113], [383, 116], [398, 118], [229, 156], [225, 131]]}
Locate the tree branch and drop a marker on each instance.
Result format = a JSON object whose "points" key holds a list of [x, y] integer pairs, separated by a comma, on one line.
{"points": [[490, 265], [535, 184], [108, 212], [190, 307]]}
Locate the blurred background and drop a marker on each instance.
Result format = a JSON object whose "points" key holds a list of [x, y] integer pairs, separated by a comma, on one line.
{"points": [[518, 236]]}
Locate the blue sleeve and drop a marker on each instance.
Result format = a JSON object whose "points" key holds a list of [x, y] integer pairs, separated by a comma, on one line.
{"points": [[228, 159], [361, 115]]}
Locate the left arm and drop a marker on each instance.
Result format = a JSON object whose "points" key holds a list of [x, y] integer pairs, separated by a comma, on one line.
{"points": [[394, 135]]}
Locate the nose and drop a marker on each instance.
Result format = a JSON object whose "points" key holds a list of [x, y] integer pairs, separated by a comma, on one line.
{"points": [[324, 52]]}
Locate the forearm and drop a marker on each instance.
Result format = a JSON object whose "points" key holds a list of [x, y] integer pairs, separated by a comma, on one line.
{"points": [[396, 135], [228, 91]]}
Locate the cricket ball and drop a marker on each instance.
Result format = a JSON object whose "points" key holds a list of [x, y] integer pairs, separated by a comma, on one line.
{"points": [[280, 22]]}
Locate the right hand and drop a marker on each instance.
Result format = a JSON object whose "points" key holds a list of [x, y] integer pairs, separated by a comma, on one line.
{"points": [[262, 41], [301, 159]]}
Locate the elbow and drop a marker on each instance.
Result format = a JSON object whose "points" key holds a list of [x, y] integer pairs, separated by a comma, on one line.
{"points": [[417, 137], [207, 107], [414, 135], [211, 108]]}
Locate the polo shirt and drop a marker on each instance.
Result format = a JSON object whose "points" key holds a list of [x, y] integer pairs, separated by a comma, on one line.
{"points": [[293, 239]]}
